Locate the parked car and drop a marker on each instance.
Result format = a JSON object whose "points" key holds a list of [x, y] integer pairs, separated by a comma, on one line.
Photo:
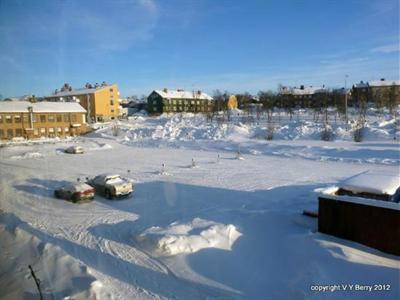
{"points": [[75, 192], [74, 150], [111, 185]]}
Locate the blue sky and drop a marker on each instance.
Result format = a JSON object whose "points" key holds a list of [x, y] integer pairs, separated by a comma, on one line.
{"points": [[195, 44]]}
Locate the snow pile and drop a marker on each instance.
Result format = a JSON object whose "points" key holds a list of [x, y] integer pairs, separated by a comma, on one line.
{"points": [[176, 238], [99, 146], [61, 275], [27, 155], [195, 127]]}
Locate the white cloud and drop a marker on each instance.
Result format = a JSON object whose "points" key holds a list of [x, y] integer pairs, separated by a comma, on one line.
{"points": [[387, 48]]}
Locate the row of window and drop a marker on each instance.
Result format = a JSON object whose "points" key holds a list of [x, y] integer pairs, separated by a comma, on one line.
{"points": [[186, 108], [18, 132], [42, 118], [181, 102]]}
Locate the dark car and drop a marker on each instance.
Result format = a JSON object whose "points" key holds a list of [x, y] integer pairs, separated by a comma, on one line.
{"points": [[75, 192]]}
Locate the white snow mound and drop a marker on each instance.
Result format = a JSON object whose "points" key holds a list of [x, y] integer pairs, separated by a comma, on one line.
{"points": [[28, 155], [176, 238]]}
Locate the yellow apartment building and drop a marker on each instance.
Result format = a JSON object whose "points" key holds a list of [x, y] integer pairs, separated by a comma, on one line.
{"points": [[101, 103], [24, 119]]}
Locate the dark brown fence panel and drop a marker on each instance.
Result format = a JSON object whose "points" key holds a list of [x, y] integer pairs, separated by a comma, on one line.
{"points": [[376, 227]]}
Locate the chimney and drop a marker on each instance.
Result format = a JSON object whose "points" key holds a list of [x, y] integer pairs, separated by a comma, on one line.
{"points": [[382, 79], [302, 87], [165, 90]]}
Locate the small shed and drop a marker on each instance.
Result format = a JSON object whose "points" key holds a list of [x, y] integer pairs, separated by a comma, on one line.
{"points": [[365, 209]]}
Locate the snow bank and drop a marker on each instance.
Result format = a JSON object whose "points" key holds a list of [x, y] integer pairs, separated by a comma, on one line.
{"points": [[27, 155], [176, 238], [61, 275], [195, 127]]}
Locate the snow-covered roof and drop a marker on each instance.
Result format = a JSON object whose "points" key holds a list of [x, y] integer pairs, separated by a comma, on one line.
{"points": [[303, 91], [341, 90], [308, 90], [82, 91], [45, 107], [181, 94], [380, 183], [384, 82], [361, 84]]}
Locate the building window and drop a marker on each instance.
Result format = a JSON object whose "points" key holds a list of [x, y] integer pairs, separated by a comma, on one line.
{"points": [[1, 133], [73, 118], [66, 129], [10, 133], [17, 119], [59, 129], [66, 118], [111, 102], [33, 118], [35, 132], [42, 118], [59, 118], [50, 118], [8, 119], [25, 118], [43, 130], [154, 102], [51, 130], [112, 110], [1, 119], [18, 132], [111, 90]]}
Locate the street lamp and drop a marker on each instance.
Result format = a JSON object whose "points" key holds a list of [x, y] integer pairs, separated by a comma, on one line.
{"points": [[345, 100]]}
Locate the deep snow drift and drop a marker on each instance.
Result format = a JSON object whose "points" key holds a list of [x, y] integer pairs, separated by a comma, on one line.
{"points": [[226, 229], [176, 238]]}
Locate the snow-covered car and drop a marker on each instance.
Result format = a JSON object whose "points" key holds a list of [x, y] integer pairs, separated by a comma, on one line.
{"points": [[75, 192], [74, 150], [111, 185], [371, 185]]}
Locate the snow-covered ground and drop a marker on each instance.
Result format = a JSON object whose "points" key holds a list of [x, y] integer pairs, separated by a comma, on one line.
{"points": [[226, 228]]}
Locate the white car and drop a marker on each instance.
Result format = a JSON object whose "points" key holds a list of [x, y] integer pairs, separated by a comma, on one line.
{"points": [[111, 185], [75, 192], [74, 150]]}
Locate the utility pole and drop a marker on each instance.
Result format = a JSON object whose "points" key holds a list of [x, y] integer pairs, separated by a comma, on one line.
{"points": [[345, 101]]}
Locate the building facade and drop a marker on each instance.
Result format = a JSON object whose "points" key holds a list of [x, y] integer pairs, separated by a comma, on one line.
{"points": [[173, 101], [101, 102], [24, 119], [380, 92], [304, 96]]}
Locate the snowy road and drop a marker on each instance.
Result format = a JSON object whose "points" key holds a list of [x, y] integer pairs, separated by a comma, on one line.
{"points": [[279, 254]]}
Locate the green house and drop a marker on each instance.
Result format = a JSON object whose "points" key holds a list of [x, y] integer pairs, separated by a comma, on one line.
{"points": [[173, 101]]}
